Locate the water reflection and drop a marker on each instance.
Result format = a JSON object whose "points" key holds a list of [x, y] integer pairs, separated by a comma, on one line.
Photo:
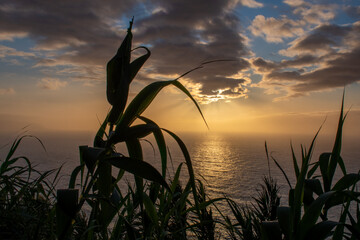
{"points": [[216, 161]]}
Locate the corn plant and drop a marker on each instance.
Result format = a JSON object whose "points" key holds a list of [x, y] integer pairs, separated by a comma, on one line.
{"points": [[144, 211], [311, 199]]}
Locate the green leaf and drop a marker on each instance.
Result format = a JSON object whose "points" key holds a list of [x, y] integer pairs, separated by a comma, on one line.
{"points": [[354, 227], [321, 230], [137, 131], [74, 174], [204, 204], [341, 197], [90, 155], [144, 98], [137, 167], [314, 185], [313, 169], [346, 181], [119, 78], [183, 89], [312, 214], [135, 151], [296, 167], [160, 140], [335, 154], [283, 172], [324, 164], [176, 178], [139, 104], [138, 63], [98, 140], [300, 183], [189, 166], [117, 67], [150, 209]]}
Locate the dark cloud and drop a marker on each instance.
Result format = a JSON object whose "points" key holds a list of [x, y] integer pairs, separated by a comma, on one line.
{"points": [[181, 34], [323, 37], [326, 58], [184, 34]]}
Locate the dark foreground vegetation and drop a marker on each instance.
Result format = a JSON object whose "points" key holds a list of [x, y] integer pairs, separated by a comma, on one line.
{"points": [[159, 207]]}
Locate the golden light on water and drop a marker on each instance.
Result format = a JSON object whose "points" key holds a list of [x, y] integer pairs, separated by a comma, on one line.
{"points": [[215, 162]]}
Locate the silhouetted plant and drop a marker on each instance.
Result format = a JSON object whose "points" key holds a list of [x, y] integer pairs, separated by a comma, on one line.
{"points": [[248, 218], [141, 211], [312, 199], [26, 197]]}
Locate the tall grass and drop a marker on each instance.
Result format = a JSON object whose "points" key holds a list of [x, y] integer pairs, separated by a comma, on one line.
{"points": [[26, 197], [315, 194]]}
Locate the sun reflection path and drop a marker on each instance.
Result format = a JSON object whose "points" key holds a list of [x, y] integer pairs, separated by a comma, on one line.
{"points": [[222, 165]]}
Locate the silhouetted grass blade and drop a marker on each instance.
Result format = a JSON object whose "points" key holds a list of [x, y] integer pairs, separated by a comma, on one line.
{"points": [[160, 141], [312, 214], [137, 167], [321, 230]]}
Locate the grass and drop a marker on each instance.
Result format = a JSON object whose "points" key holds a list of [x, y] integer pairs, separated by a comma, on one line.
{"points": [[158, 208]]}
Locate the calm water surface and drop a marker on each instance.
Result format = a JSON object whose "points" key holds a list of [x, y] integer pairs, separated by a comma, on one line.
{"points": [[230, 164]]}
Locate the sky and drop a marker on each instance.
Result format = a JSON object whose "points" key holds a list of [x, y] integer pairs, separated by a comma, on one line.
{"points": [[291, 61]]}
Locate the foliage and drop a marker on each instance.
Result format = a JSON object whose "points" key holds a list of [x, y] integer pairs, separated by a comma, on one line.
{"points": [[26, 198], [315, 195], [157, 209], [248, 218], [94, 207]]}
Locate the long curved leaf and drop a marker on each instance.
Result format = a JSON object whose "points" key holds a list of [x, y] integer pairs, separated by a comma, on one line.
{"points": [[335, 154], [189, 165], [160, 140], [144, 98], [137, 131], [137, 167], [184, 90], [139, 104], [324, 164], [312, 214], [138, 63], [346, 181], [321, 230], [296, 167], [150, 209]]}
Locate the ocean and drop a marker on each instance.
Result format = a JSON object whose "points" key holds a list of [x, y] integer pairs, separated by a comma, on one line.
{"points": [[230, 165]]}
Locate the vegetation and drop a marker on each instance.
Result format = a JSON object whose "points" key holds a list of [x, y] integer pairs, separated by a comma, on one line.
{"points": [[94, 207], [26, 198]]}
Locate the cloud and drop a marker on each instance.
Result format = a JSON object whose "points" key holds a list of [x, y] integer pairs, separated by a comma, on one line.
{"points": [[322, 40], [11, 36], [7, 91], [305, 16], [181, 40], [82, 36], [12, 52], [326, 58], [251, 3], [275, 30], [51, 84], [316, 13], [294, 3]]}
